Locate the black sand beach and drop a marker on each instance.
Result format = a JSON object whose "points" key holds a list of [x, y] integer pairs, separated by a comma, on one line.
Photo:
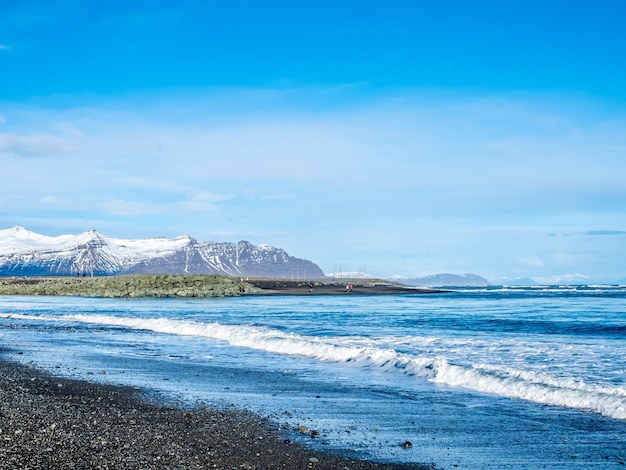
{"points": [[201, 285], [48, 422], [334, 287], [53, 423]]}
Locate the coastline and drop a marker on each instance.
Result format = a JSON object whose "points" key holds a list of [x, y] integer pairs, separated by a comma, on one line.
{"points": [[335, 287], [125, 286], [196, 285], [52, 422]]}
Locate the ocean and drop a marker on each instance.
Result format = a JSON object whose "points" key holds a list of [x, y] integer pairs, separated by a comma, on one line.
{"points": [[494, 378]]}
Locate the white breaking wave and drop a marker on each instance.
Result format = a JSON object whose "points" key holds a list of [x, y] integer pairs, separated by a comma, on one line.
{"points": [[608, 401], [503, 381]]}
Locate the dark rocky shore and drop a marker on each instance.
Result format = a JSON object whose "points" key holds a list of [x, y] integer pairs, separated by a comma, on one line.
{"points": [[188, 285], [48, 422], [335, 287], [52, 423]]}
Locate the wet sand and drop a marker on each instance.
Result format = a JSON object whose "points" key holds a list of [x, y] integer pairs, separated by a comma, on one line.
{"points": [[53, 423]]}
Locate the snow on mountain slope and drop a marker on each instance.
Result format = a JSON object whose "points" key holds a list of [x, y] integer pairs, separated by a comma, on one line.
{"points": [[27, 253], [18, 240]]}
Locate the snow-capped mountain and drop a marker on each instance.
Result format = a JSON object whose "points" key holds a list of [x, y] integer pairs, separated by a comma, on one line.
{"points": [[448, 280], [24, 253]]}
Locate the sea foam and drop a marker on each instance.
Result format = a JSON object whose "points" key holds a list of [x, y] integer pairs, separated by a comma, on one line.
{"points": [[366, 353]]}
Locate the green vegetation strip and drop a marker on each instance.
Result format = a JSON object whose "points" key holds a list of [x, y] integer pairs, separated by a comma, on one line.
{"points": [[160, 285]]}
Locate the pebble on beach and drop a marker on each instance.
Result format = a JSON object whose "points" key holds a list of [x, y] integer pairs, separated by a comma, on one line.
{"points": [[48, 422]]}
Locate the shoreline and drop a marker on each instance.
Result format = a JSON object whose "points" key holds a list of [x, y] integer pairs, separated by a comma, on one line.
{"points": [[336, 287], [53, 422], [127, 286], [197, 285]]}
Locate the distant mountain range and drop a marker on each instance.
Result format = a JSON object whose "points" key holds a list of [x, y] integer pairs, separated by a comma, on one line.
{"points": [[25, 253], [520, 282], [433, 280], [447, 280]]}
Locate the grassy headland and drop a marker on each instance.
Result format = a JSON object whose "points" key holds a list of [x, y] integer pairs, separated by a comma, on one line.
{"points": [[195, 285], [158, 285]]}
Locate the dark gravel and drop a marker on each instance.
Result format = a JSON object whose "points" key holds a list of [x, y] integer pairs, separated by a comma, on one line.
{"points": [[53, 423]]}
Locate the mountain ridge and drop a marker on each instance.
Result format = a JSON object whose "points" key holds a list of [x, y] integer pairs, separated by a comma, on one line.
{"points": [[448, 280], [26, 253]]}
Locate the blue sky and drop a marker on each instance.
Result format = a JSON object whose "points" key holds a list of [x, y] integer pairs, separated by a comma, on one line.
{"points": [[408, 138]]}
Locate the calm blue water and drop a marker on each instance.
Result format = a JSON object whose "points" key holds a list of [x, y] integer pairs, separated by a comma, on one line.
{"points": [[490, 378]]}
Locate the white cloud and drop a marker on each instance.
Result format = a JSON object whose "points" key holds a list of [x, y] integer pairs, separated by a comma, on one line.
{"points": [[254, 194], [199, 203], [131, 208], [400, 176], [49, 200], [277, 197], [152, 182], [564, 259], [198, 206], [34, 145], [204, 202], [531, 261], [210, 197]]}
